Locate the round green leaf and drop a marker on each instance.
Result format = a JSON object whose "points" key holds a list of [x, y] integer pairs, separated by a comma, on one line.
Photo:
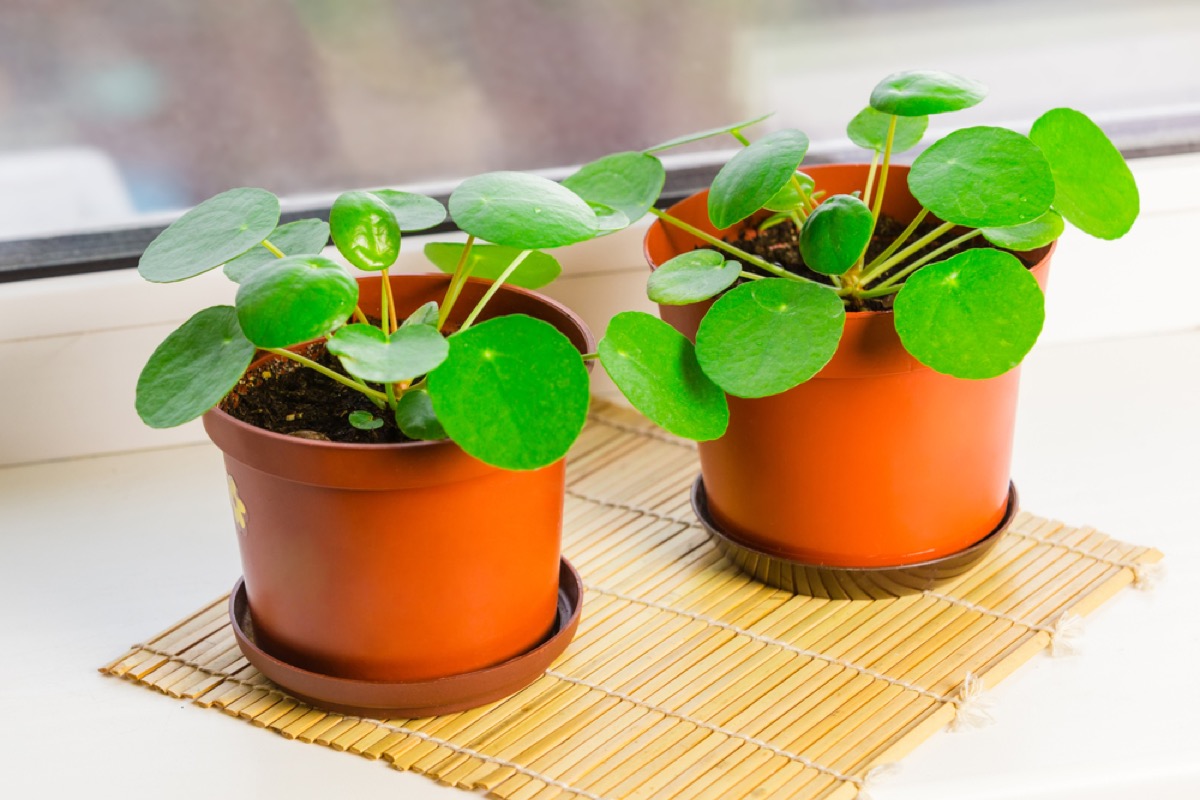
{"points": [[522, 211], [655, 367], [1030, 236], [195, 366], [836, 234], [983, 177], [792, 194], [365, 230], [364, 420], [295, 299], [765, 337], [513, 393], [974, 315], [218, 230], [1095, 189], [869, 129], [916, 93], [692, 277], [300, 238], [490, 260], [752, 177], [414, 212], [371, 355], [627, 182], [414, 415], [736, 127]]}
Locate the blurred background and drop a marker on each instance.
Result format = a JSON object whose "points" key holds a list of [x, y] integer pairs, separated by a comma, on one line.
{"points": [[114, 113]]}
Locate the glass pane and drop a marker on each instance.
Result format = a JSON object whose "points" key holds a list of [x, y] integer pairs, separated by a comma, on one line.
{"points": [[113, 110]]}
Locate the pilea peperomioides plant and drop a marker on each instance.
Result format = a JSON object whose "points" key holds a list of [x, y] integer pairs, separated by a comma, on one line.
{"points": [[511, 390], [970, 313]]}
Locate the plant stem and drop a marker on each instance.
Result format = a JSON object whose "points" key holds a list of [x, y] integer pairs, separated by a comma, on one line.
{"points": [[883, 175], [386, 307], [495, 287], [461, 273], [920, 262], [871, 269], [898, 258], [738, 135], [750, 276], [590, 356], [275, 250], [376, 396], [727, 247], [391, 395], [360, 316], [871, 176]]}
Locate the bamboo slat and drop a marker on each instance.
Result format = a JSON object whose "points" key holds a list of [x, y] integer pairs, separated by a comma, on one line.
{"points": [[688, 679]]}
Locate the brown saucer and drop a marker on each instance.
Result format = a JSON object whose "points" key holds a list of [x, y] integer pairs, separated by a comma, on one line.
{"points": [[848, 583], [411, 700]]}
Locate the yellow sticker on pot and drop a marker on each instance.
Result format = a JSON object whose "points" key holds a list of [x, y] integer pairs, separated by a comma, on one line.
{"points": [[239, 508]]}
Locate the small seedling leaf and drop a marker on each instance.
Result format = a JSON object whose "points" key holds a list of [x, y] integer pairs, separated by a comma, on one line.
{"points": [[627, 182], [655, 367], [193, 368], [490, 260], [765, 337], [917, 93], [414, 415], [983, 177], [295, 299], [736, 127], [974, 315], [754, 176], [425, 315], [836, 234], [1095, 189], [691, 277], [300, 238], [218, 230], [513, 393], [414, 212], [524, 211], [365, 230], [371, 355], [1030, 236], [364, 420], [792, 195], [869, 129]]}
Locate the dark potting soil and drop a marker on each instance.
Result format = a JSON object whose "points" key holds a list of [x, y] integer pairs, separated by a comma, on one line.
{"points": [[286, 397], [780, 245]]}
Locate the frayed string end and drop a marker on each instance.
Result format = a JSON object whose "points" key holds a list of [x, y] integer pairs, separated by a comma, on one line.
{"points": [[972, 709], [872, 777]]}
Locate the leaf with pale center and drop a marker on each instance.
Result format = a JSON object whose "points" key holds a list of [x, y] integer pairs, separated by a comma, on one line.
{"points": [[917, 93], [688, 138], [627, 182], [655, 367], [425, 315], [300, 238], [218, 230], [792, 195], [194, 367], [513, 392], [365, 230], [974, 315], [983, 177], [869, 129], [413, 212], [1095, 190], [368, 353], [296, 299], [415, 416], [691, 277], [524, 211], [1029, 236], [836, 234], [490, 260], [364, 420], [755, 175], [765, 337]]}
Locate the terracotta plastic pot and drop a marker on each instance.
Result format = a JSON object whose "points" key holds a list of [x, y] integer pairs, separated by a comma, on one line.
{"points": [[876, 461], [401, 562]]}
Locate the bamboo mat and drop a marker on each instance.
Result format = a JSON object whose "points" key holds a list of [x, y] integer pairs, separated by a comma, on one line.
{"points": [[687, 679]]}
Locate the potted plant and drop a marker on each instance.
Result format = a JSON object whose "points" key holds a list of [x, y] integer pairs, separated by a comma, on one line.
{"points": [[394, 445], [844, 340]]}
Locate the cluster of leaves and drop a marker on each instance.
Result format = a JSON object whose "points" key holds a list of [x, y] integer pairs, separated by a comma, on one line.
{"points": [[971, 315], [510, 390]]}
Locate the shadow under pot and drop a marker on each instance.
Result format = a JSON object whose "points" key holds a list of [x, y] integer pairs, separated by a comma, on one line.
{"points": [[878, 460], [382, 566]]}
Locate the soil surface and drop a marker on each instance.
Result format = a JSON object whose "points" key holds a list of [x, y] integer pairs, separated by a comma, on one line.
{"points": [[779, 244], [285, 397]]}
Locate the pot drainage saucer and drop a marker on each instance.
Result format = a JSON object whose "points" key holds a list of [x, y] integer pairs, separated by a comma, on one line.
{"points": [[850, 583], [414, 699]]}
